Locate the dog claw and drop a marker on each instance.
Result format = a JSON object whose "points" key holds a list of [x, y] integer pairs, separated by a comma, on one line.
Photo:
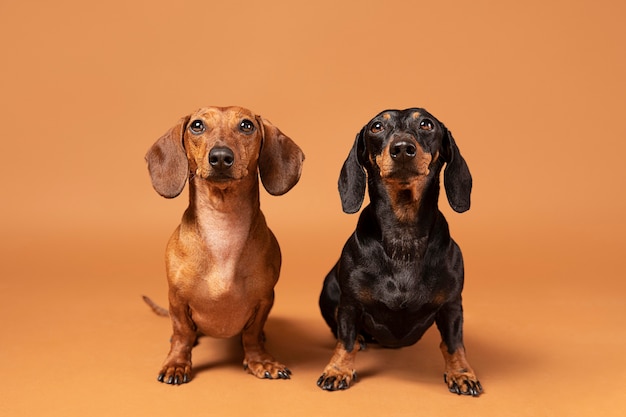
{"points": [[332, 383], [284, 374], [173, 379], [473, 388], [336, 382], [455, 389], [328, 384]]}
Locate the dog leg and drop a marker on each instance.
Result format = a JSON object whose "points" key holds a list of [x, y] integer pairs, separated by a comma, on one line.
{"points": [[257, 360], [329, 300], [339, 374], [459, 375], [176, 369]]}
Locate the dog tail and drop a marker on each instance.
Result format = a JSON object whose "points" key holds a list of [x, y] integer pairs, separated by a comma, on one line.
{"points": [[160, 311]]}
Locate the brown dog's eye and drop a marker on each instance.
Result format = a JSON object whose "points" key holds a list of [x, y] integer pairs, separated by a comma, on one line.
{"points": [[426, 125], [246, 126], [377, 127], [197, 127]]}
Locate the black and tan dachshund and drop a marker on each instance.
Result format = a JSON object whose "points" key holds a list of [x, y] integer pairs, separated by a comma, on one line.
{"points": [[400, 271]]}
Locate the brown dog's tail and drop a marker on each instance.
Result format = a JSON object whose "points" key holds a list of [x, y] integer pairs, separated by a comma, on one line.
{"points": [[160, 311]]}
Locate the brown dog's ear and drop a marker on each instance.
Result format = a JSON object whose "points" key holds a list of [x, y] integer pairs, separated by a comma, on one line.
{"points": [[352, 178], [167, 161], [280, 160], [457, 179]]}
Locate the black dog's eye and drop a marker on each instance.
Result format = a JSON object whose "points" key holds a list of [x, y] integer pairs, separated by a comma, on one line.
{"points": [[246, 126], [197, 127], [426, 125], [377, 127]]}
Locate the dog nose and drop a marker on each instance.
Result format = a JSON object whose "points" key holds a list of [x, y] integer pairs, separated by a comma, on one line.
{"points": [[221, 158], [402, 150]]}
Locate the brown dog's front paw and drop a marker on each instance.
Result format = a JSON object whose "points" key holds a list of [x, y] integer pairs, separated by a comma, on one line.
{"points": [[176, 374], [336, 379], [463, 383], [267, 369]]}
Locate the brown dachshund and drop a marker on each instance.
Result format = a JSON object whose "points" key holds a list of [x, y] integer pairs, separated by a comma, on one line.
{"points": [[222, 261]]}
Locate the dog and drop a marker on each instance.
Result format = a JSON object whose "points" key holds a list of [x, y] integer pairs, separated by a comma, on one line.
{"points": [[400, 271], [222, 261]]}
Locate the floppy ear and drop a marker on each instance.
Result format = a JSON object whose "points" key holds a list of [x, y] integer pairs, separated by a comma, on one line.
{"points": [[352, 178], [167, 161], [280, 160], [457, 179]]}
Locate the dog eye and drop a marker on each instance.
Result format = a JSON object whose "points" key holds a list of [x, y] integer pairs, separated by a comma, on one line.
{"points": [[377, 127], [246, 126], [197, 127], [426, 125]]}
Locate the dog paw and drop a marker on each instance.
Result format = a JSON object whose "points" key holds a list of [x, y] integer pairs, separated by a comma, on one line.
{"points": [[335, 379], [267, 369], [175, 374], [463, 383]]}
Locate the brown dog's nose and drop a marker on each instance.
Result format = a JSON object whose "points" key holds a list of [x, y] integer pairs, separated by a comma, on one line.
{"points": [[402, 150], [221, 158]]}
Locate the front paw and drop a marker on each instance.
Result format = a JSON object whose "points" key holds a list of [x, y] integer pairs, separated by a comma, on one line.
{"points": [[334, 379], [175, 374], [463, 383], [267, 369]]}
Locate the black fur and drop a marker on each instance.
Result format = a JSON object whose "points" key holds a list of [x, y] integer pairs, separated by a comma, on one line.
{"points": [[396, 277]]}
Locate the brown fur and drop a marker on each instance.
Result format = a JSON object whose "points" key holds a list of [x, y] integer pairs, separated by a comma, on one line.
{"points": [[459, 375], [339, 374], [222, 261], [405, 193]]}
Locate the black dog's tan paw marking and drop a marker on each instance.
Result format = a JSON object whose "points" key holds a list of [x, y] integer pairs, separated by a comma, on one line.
{"points": [[336, 379], [463, 383]]}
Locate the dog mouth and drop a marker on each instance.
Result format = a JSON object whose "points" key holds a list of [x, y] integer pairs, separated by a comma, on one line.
{"points": [[405, 175], [220, 177], [211, 176]]}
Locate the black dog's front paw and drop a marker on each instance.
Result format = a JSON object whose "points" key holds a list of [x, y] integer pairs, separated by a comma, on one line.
{"points": [[463, 384], [336, 380]]}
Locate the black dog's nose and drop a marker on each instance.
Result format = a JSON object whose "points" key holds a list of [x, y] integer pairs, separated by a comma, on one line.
{"points": [[402, 150], [221, 158]]}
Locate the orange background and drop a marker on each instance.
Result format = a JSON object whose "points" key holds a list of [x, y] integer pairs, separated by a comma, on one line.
{"points": [[534, 92]]}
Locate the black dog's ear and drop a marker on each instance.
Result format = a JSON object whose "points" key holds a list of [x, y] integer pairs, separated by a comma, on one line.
{"points": [[457, 179], [167, 161], [352, 178]]}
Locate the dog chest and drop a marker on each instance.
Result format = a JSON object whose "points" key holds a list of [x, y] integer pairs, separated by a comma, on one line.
{"points": [[398, 292], [398, 328], [223, 317]]}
